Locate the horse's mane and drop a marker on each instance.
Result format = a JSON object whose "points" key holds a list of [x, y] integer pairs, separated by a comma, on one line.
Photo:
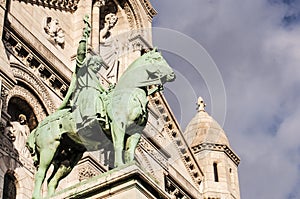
{"points": [[144, 60], [132, 76]]}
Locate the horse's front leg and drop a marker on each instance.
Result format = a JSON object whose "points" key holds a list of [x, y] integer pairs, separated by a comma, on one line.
{"points": [[62, 171], [46, 156], [131, 145], [118, 134]]}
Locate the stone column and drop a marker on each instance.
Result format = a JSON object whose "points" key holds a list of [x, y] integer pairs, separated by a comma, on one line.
{"points": [[96, 26]]}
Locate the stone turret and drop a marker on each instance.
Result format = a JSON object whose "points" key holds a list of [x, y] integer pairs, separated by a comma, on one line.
{"points": [[217, 160]]}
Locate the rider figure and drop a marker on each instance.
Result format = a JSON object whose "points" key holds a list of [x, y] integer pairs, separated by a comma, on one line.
{"points": [[85, 94]]}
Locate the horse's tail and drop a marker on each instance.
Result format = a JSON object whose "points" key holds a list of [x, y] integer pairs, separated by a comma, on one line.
{"points": [[30, 144]]}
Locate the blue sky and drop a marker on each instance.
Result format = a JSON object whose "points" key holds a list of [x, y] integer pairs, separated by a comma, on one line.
{"points": [[255, 45]]}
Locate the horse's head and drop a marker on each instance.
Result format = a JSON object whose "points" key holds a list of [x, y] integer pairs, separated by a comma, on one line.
{"points": [[149, 69], [157, 68]]}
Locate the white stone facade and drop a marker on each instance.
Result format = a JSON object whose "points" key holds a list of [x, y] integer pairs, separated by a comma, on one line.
{"points": [[37, 57]]}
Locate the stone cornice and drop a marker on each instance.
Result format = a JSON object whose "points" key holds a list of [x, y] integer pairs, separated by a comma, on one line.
{"points": [[156, 154], [149, 8], [118, 180], [176, 190], [173, 129], [55, 60], [217, 147], [40, 68], [65, 5]]}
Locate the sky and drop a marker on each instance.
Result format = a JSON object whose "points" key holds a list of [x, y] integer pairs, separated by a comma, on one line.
{"points": [[252, 87]]}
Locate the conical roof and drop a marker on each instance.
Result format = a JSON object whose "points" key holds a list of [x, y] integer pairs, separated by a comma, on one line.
{"points": [[204, 129]]}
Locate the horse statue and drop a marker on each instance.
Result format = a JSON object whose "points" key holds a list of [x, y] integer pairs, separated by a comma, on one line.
{"points": [[118, 114]]}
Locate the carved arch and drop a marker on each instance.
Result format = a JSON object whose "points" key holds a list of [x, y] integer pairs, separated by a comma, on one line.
{"points": [[42, 95], [134, 17], [22, 93]]}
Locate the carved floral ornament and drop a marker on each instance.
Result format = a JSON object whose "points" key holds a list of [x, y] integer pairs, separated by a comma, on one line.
{"points": [[86, 172]]}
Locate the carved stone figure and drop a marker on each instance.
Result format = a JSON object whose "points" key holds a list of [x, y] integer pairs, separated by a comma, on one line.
{"points": [[109, 46], [18, 132], [118, 114], [109, 22], [55, 32]]}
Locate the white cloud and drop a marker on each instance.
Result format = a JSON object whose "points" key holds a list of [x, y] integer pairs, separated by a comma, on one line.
{"points": [[259, 60]]}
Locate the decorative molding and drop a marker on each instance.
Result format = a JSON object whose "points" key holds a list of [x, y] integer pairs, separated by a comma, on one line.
{"points": [[174, 189], [149, 9], [65, 5], [217, 147], [147, 146], [89, 167], [143, 160], [34, 64], [138, 42], [32, 81], [136, 14], [130, 16], [174, 133], [38, 110]]}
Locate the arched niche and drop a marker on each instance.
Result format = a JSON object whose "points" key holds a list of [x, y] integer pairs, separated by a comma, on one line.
{"points": [[9, 187], [18, 104]]}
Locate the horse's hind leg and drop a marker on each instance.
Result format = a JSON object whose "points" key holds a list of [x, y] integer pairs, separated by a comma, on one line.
{"points": [[118, 134], [46, 157], [131, 144], [64, 169]]}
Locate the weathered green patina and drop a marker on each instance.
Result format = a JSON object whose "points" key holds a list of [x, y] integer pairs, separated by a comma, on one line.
{"points": [[90, 115]]}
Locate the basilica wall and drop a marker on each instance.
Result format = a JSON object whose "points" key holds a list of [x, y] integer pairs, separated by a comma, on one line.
{"points": [[40, 40]]}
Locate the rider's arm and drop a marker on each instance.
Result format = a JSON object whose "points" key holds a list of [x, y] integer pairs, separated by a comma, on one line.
{"points": [[82, 47], [81, 52]]}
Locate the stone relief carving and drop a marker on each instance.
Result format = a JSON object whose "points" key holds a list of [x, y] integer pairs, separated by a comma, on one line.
{"points": [[86, 172], [54, 31], [18, 131], [153, 152]]}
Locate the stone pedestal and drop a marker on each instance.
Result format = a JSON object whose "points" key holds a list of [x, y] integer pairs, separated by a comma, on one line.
{"points": [[126, 182]]}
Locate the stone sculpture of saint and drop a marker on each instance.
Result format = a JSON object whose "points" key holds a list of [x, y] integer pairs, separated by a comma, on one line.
{"points": [[18, 131], [108, 45]]}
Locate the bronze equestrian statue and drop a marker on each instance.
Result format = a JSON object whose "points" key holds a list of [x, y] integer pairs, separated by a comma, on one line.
{"points": [[91, 115]]}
